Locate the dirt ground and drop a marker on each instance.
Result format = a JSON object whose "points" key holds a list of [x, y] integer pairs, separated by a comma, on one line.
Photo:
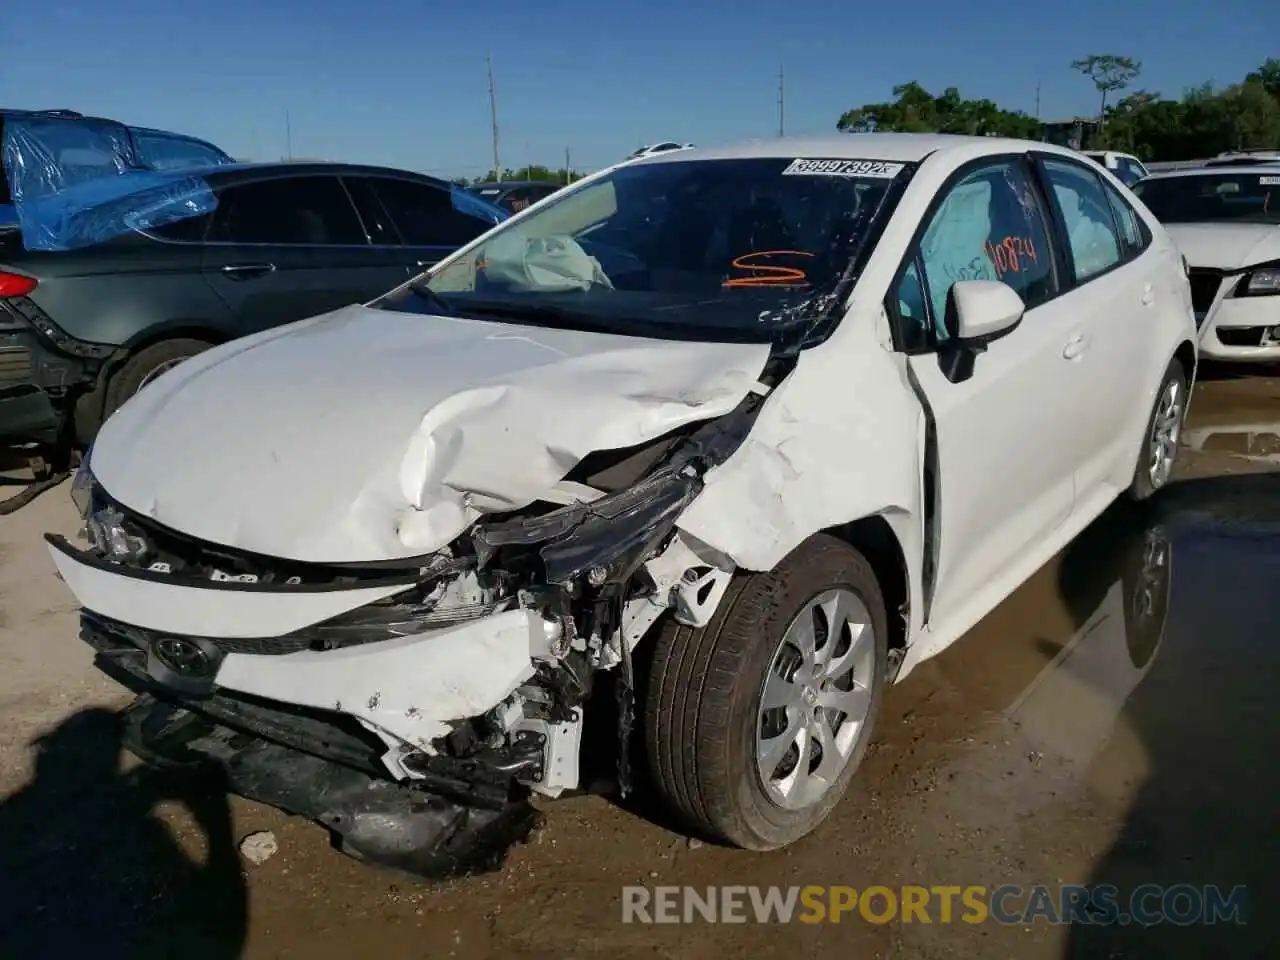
{"points": [[1061, 741]]}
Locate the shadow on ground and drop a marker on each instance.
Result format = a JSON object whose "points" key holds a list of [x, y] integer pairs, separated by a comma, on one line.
{"points": [[1204, 812], [90, 868]]}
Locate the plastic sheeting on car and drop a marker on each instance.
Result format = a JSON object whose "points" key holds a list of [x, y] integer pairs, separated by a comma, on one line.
{"points": [[75, 184], [469, 203]]}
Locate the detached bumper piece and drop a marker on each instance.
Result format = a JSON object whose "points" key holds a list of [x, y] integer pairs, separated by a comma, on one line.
{"points": [[393, 824]]}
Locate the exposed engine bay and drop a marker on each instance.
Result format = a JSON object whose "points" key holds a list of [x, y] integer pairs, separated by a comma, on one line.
{"points": [[539, 609]]}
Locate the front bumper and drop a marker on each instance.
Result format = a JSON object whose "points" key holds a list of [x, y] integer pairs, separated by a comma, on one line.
{"points": [[202, 639], [1242, 329], [199, 640]]}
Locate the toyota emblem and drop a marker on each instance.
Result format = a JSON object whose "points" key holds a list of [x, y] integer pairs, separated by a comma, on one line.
{"points": [[185, 657]]}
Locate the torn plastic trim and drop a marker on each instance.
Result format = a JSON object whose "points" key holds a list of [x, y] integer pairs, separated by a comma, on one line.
{"points": [[399, 825], [60, 206]]}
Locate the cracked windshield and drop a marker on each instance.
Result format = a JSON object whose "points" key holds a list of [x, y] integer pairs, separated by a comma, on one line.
{"points": [[694, 248]]}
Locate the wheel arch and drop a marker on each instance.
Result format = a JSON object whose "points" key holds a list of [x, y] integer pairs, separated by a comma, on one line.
{"points": [[89, 406], [875, 538]]}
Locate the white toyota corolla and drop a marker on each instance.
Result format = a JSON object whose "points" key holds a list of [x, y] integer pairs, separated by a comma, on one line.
{"points": [[721, 442], [1226, 222]]}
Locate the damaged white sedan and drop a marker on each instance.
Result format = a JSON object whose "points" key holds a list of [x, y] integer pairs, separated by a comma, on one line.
{"points": [[701, 453]]}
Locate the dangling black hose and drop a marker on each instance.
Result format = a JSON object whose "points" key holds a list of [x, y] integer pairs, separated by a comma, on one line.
{"points": [[32, 491]]}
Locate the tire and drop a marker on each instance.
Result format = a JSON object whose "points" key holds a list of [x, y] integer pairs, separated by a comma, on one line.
{"points": [[1144, 484], [139, 368], [702, 707]]}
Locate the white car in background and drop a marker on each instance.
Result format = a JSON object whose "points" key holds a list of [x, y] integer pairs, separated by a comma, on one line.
{"points": [[1226, 222], [1125, 167], [652, 150], [744, 434]]}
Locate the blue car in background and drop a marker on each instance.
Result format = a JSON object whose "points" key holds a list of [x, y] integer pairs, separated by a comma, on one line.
{"points": [[92, 147]]}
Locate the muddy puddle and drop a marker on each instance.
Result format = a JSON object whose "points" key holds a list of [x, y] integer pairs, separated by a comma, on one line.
{"points": [[1113, 722]]}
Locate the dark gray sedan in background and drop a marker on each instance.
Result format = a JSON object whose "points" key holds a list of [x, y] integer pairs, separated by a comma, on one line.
{"points": [[82, 330]]}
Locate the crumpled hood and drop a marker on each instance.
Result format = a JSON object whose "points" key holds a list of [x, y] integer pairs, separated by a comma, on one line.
{"points": [[366, 435], [1226, 246]]}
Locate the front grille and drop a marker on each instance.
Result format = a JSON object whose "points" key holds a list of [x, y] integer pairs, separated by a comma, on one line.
{"points": [[1241, 336], [15, 366], [1204, 287], [261, 646]]}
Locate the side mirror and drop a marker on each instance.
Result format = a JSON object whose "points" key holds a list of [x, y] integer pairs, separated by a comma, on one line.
{"points": [[979, 311]]}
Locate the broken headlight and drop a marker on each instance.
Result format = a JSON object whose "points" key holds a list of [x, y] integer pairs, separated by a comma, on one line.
{"points": [[83, 489], [600, 540], [111, 538]]}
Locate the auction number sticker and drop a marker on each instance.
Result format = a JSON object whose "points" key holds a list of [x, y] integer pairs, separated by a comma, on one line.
{"points": [[877, 169], [1269, 181]]}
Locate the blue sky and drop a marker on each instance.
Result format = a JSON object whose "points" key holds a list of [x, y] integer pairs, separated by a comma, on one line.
{"points": [[404, 84]]}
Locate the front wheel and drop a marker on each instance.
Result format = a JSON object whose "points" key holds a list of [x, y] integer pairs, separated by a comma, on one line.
{"points": [[756, 723], [146, 365], [1160, 441]]}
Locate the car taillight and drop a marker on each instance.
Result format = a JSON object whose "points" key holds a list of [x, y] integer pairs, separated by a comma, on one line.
{"points": [[16, 285]]}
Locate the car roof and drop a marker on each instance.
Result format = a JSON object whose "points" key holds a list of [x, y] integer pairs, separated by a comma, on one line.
{"points": [[286, 168], [1225, 170], [891, 147]]}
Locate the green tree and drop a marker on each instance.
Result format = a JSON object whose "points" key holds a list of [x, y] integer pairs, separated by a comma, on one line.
{"points": [[915, 110], [532, 172], [1268, 75], [1109, 73]]}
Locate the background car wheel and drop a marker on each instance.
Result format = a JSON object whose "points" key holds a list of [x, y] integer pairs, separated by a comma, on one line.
{"points": [[144, 366], [1160, 441], [756, 723]]}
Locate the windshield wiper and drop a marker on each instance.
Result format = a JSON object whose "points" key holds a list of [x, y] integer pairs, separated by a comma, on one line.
{"points": [[422, 288]]}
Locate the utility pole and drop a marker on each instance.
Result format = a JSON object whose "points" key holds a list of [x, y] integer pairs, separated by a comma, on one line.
{"points": [[1037, 100], [288, 136], [568, 170], [493, 116], [782, 115]]}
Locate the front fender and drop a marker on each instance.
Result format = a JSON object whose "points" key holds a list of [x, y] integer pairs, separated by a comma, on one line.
{"points": [[840, 439]]}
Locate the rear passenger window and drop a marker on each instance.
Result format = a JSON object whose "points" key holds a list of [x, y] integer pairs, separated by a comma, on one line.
{"points": [[1086, 214], [990, 226], [425, 215], [308, 211]]}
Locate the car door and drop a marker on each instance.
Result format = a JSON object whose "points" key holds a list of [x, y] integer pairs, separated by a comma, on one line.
{"points": [[1005, 473], [288, 248], [1117, 293], [424, 216]]}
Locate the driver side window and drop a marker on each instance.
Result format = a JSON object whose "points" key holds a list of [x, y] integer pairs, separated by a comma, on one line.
{"points": [[989, 226]]}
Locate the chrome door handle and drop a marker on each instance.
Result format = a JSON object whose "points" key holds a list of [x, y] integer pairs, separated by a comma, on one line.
{"points": [[245, 271]]}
